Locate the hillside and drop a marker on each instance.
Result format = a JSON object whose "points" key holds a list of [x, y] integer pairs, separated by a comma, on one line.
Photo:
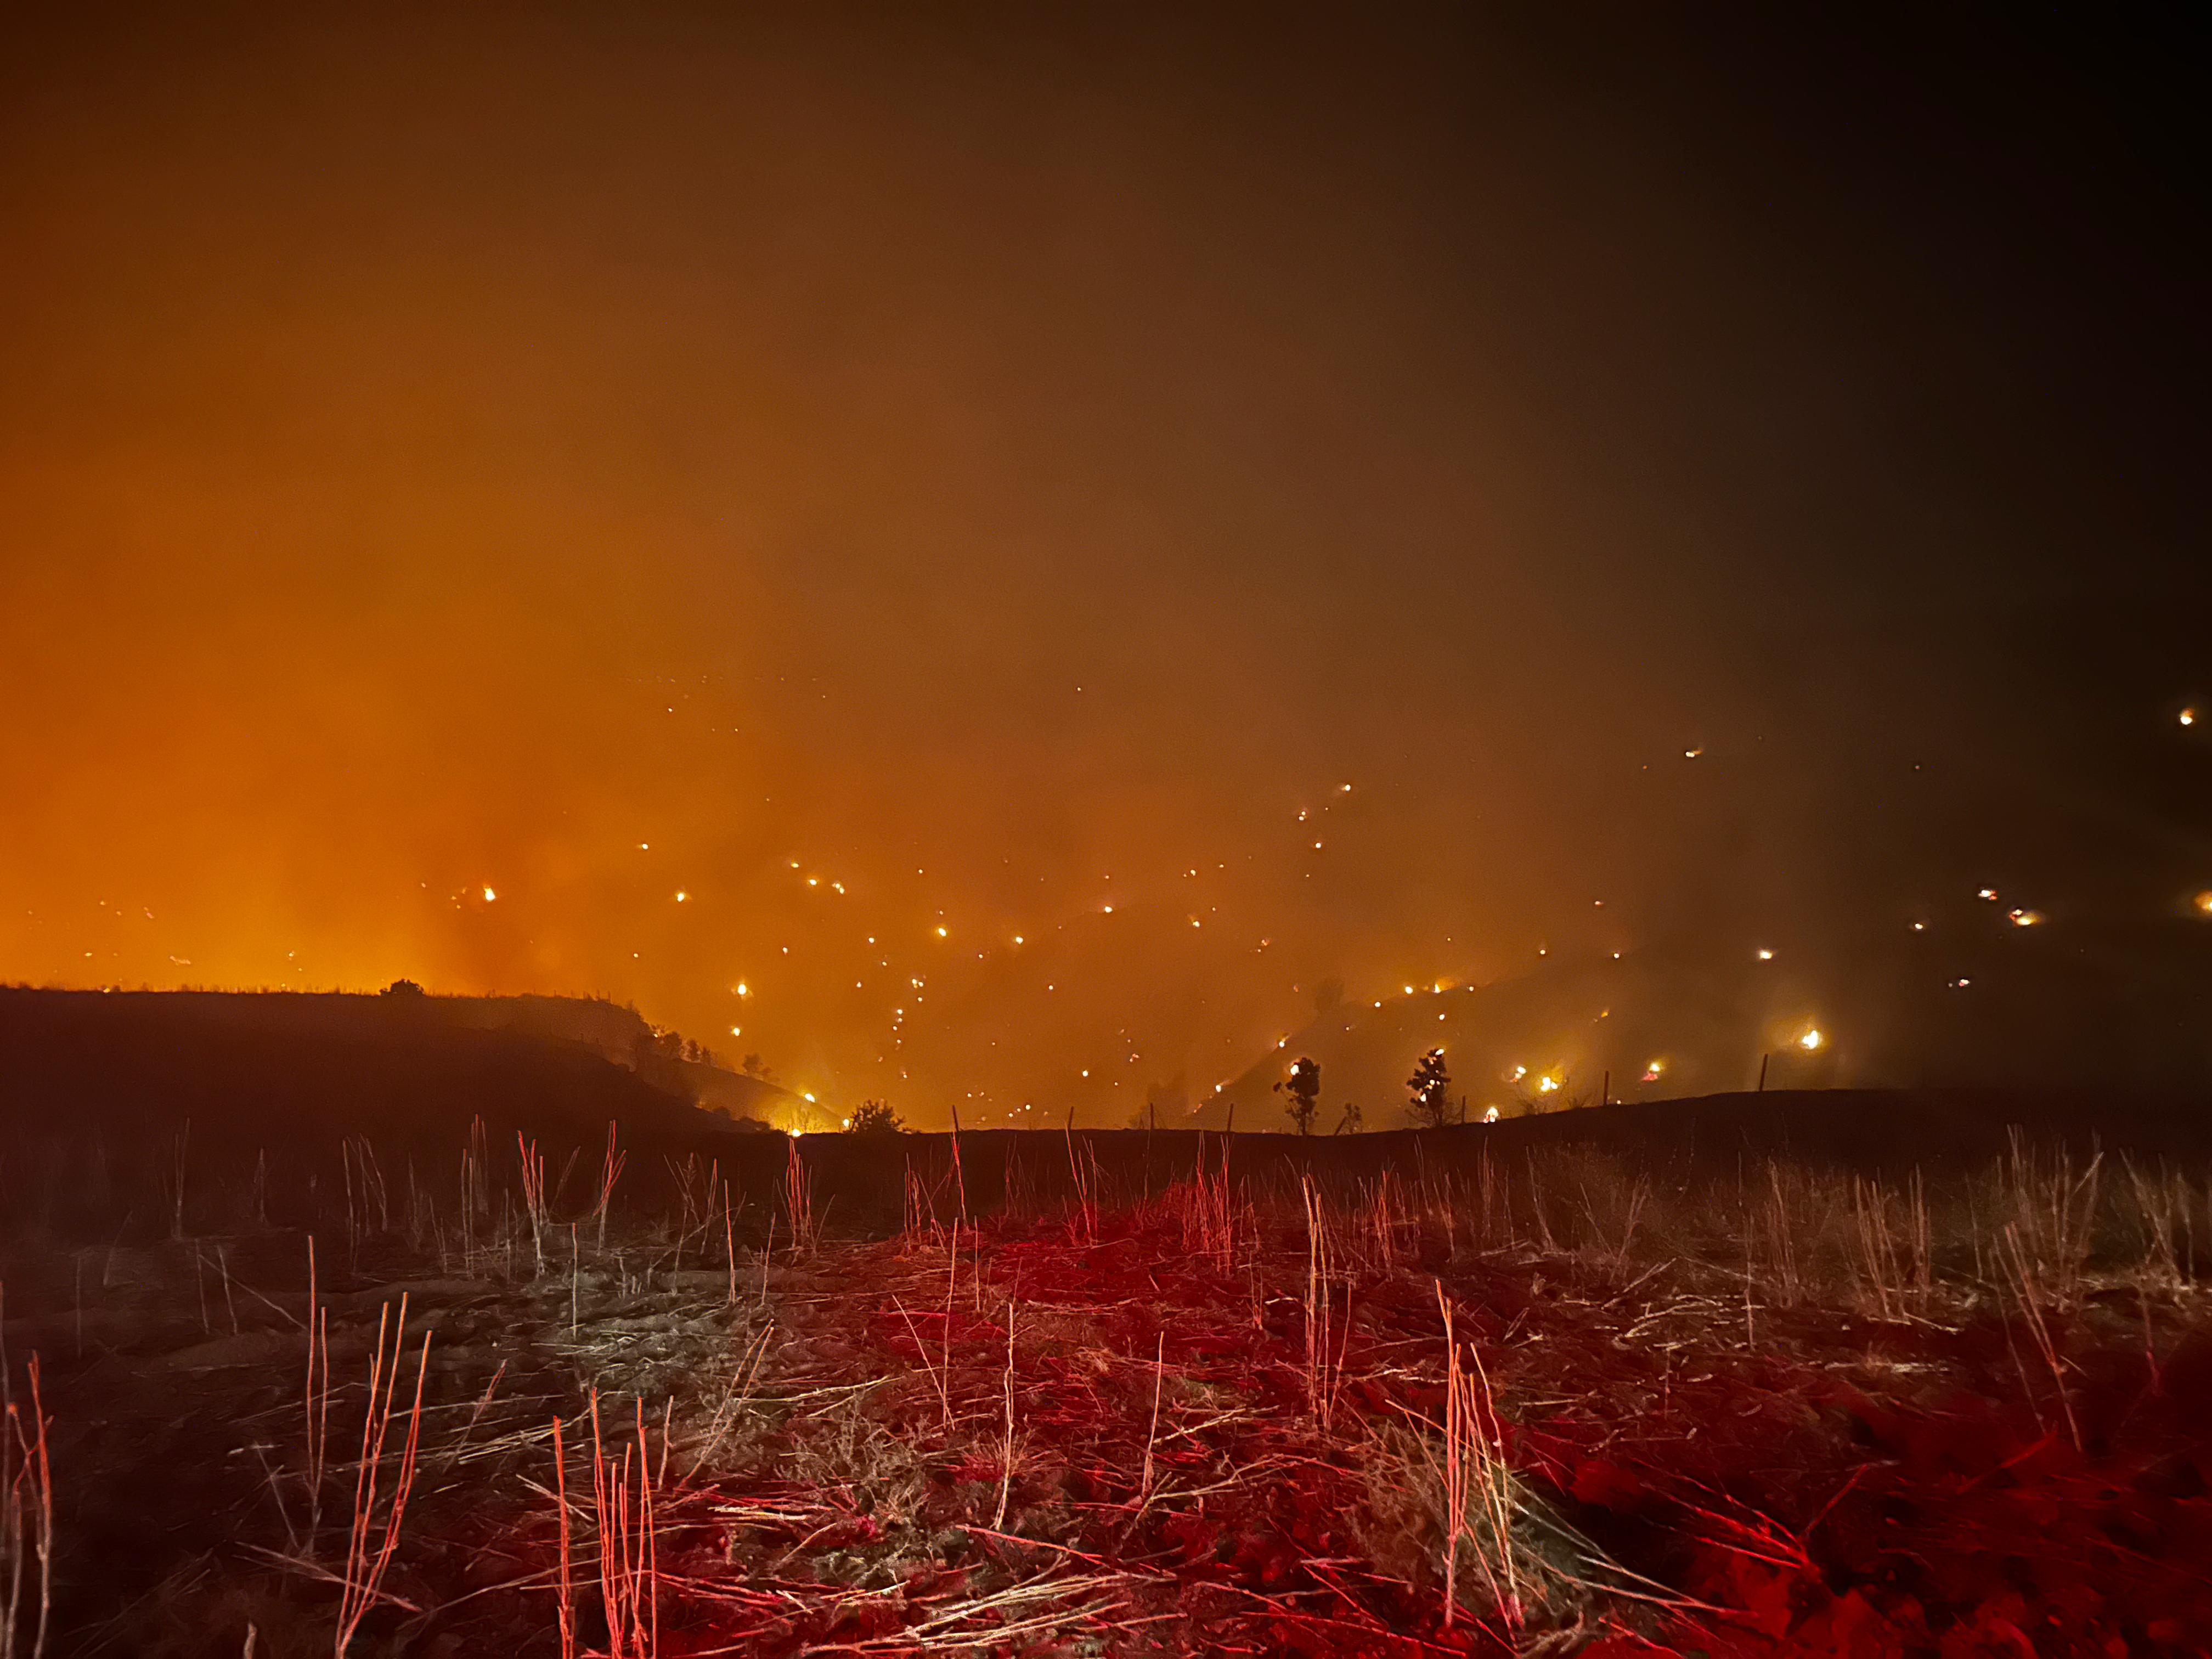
{"points": [[266, 1066], [2073, 1006], [622, 1035]]}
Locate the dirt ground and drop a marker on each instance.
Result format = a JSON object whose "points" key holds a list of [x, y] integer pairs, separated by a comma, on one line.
{"points": [[1551, 1408]]}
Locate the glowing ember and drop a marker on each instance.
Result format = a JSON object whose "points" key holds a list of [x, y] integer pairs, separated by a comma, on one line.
{"points": [[1811, 1039], [2024, 918]]}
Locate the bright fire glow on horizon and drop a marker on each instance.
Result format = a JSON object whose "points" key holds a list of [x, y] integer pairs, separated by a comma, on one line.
{"points": [[874, 483]]}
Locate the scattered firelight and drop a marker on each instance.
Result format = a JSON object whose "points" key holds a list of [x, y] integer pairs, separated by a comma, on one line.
{"points": [[1811, 1040], [489, 895], [1490, 1115], [2202, 903], [2024, 918], [1987, 895], [1766, 956], [1652, 1072]]}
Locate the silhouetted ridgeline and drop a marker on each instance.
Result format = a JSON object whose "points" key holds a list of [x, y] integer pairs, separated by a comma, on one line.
{"points": [[110, 1102]]}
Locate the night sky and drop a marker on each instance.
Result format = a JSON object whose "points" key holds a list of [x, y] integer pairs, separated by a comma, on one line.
{"points": [[1036, 541]]}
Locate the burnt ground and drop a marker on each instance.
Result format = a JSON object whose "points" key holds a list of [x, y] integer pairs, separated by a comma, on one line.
{"points": [[1779, 1409]]}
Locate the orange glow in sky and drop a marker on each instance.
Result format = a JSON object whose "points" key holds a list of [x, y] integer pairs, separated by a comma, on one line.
{"points": [[639, 507]]}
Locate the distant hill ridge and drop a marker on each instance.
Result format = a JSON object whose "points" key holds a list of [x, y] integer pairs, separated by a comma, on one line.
{"points": [[254, 1063], [626, 1038], [2076, 1005]]}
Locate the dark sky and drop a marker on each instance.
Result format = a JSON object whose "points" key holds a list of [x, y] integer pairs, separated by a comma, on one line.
{"points": [[1012, 462]]}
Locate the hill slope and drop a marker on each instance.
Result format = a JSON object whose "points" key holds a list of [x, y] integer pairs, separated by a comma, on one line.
{"points": [[2074, 1008]]}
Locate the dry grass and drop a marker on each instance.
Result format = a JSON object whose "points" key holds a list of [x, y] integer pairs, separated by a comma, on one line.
{"points": [[1373, 1416]]}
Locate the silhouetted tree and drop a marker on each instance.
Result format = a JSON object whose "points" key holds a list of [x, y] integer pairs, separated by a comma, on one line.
{"points": [[401, 987], [1303, 1085], [873, 1117], [1350, 1123], [1430, 1084], [753, 1066]]}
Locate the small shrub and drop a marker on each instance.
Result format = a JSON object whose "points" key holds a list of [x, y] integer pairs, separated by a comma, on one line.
{"points": [[874, 1117]]}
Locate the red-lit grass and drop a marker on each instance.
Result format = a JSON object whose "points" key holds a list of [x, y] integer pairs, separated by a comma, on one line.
{"points": [[27, 1515], [1551, 1404], [371, 1539]]}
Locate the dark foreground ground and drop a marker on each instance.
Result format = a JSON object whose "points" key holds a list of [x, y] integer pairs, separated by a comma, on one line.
{"points": [[1456, 1393]]}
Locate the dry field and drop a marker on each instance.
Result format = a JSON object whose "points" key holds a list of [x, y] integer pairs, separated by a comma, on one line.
{"points": [[1547, 1405]]}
